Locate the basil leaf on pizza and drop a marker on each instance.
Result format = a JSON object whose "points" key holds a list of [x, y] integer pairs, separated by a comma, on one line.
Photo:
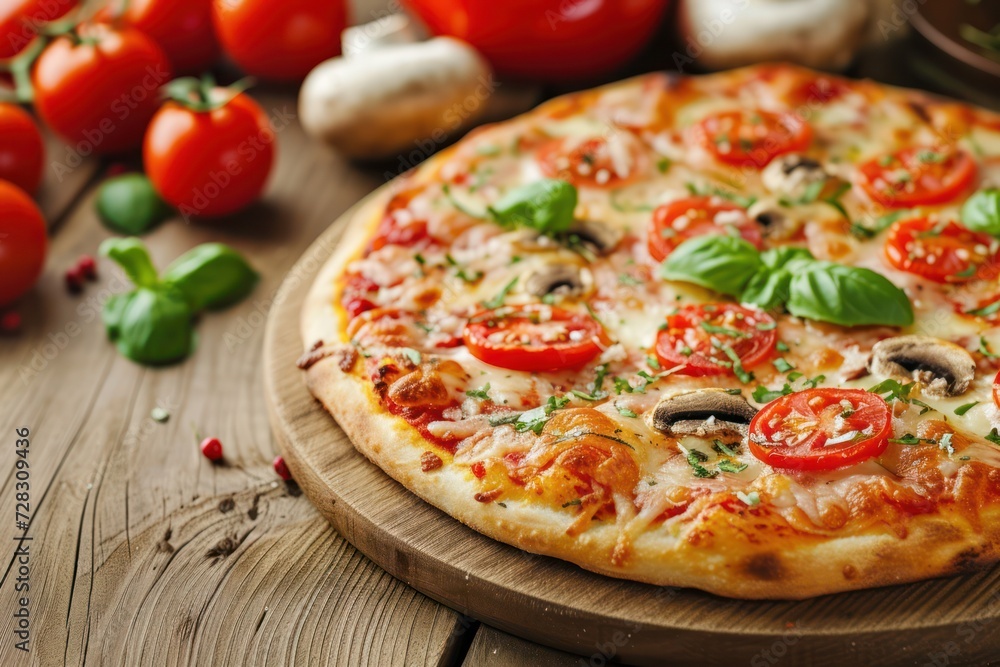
{"points": [[546, 206], [722, 263], [849, 296], [981, 212]]}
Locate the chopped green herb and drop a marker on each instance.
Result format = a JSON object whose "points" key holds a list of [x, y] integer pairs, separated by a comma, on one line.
{"points": [[910, 439], [985, 311], [480, 393], [412, 355], [993, 436], [535, 419], [764, 395], [984, 349], [726, 465], [663, 165], [734, 391], [766, 326], [732, 333], [962, 409], [695, 458], [729, 450], [575, 501], [738, 369], [498, 300], [783, 366], [781, 346], [653, 362], [751, 499], [814, 382], [625, 412]]}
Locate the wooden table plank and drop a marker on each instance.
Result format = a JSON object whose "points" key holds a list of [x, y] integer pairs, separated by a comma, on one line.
{"points": [[144, 553], [67, 174], [493, 648]]}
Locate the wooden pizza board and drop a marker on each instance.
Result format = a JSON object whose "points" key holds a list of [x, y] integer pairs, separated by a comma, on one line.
{"points": [[943, 622]]}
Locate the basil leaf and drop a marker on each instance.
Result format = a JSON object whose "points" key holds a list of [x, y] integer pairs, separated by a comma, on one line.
{"points": [[131, 255], [981, 212], [721, 263], [546, 205], [769, 288], [150, 325], [848, 296], [211, 275], [128, 204]]}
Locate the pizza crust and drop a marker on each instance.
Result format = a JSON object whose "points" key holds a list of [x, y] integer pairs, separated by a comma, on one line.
{"points": [[791, 567]]}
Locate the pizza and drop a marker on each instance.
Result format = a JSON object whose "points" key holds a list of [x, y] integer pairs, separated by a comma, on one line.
{"points": [[736, 332]]}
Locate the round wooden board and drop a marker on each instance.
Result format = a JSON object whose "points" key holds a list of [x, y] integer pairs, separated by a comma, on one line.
{"points": [[942, 622]]}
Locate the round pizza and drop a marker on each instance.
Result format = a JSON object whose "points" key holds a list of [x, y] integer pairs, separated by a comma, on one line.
{"points": [[735, 332]]}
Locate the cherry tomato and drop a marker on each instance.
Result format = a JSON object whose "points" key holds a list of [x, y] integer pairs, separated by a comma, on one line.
{"points": [[821, 429], [916, 176], [591, 162], [704, 339], [279, 39], [684, 219], [20, 21], [21, 148], [753, 137], [547, 39], [209, 163], [399, 226], [358, 294], [534, 338], [996, 390], [182, 28], [944, 252], [99, 93], [22, 243]]}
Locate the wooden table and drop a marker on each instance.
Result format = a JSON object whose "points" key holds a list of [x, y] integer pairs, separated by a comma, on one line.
{"points": [[145, 553]]}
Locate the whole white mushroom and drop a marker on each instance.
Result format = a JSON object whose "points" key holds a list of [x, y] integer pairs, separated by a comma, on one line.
{"points": [[719, 34]]}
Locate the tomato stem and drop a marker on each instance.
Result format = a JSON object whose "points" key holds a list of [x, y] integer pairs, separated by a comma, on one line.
{"points": [[202, 95]]}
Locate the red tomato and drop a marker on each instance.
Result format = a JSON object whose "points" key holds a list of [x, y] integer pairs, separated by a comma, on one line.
{"points": [[684, 219], [996, 390], [753, 137], [399, 226], [21, 148], [99, 95], [534, 338], [589, 163], [547, 39], [21, 20], [821, 429], [22, 243], [698, 337], [209, 163], [942, 252], [182, 28], [279, 39], [916, 176]]}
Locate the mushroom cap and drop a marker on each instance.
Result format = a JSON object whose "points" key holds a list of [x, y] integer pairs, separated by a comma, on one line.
{"points": [[943, 368], [792, 174], [552, 277], [600, 236], [702, 412]]}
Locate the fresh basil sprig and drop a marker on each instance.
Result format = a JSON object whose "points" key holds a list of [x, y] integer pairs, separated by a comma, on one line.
{"points": [[981, 212], [721, 263], [546, 206], [128, 204], [154, 323], [847, 295], [789, 277], [211, 276]]}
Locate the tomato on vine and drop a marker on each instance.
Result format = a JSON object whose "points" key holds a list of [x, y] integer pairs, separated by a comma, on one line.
{"points": [[21, 21], [279, 39], [21, 148], [23, 242], [209, 150], [182, 28], [97, 86]]}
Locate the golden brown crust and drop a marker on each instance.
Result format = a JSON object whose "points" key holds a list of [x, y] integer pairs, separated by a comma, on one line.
{"points": [[716, 555]]}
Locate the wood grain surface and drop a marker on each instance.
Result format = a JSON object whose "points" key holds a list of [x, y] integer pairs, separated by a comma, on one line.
{"points": [[144, 553], [557, 604]]}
